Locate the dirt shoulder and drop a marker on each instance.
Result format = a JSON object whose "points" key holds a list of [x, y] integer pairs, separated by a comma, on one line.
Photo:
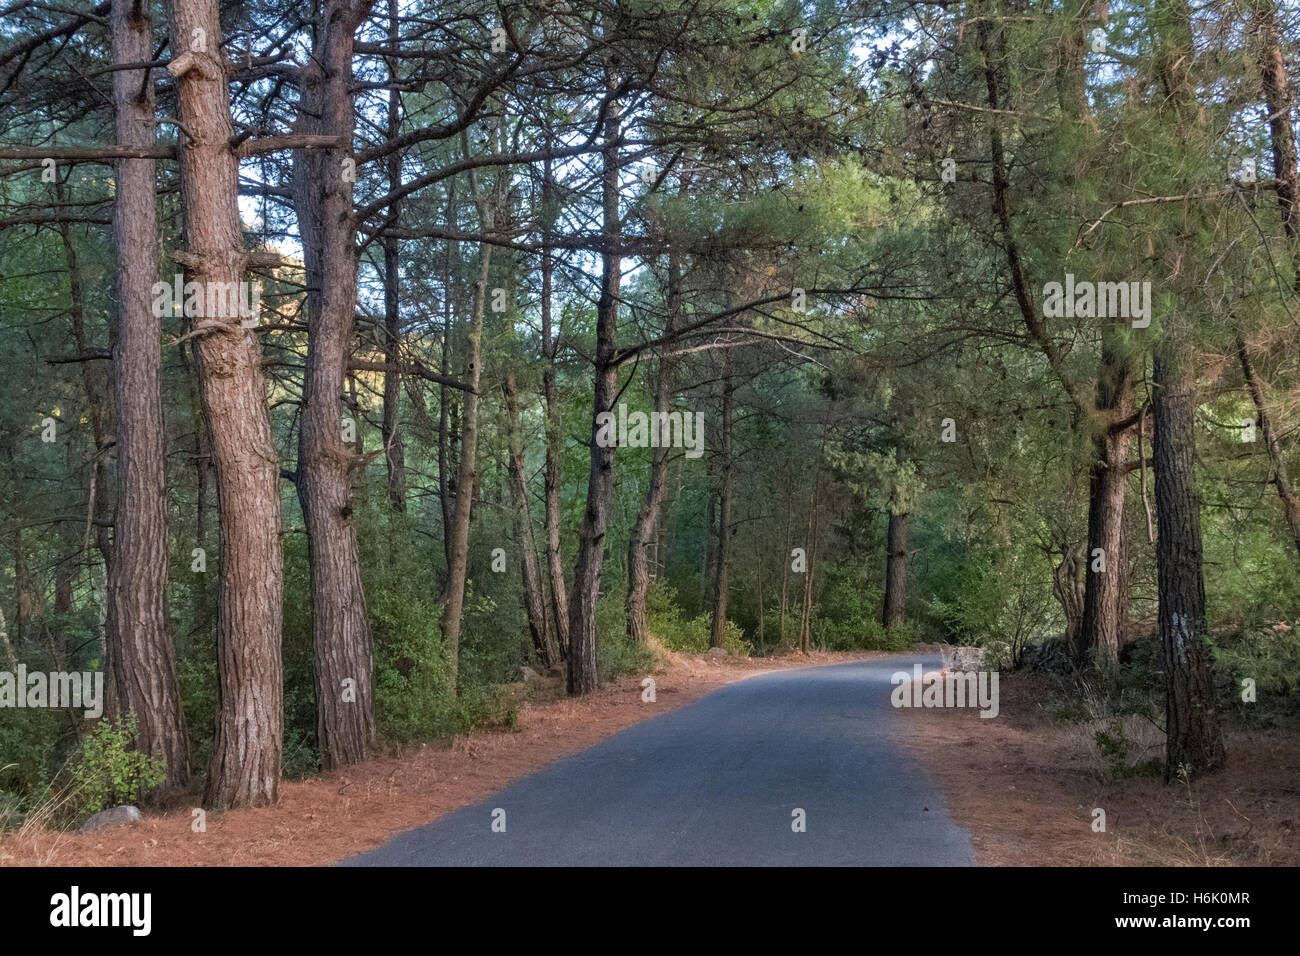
{"points": [[324, 819], [1026, 788]]}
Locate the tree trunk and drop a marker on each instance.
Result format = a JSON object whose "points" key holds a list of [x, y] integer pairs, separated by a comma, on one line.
{"points": [[582, 677], [1277, 98], [247, 749], [97, 383], [199, 606], [1068, 590], [394, 454], [805, 616], [1071, 78], [1193, 737], [548, 653], [1290, 508], [144, 654], [709, 573], [1105, 595], [554, 440], [454, 605], [786, 560], [895, 608], [719, 628], [647, 518], [446, 395], [342, 656]]}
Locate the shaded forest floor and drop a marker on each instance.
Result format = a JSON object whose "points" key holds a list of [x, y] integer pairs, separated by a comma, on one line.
{"points": [[1026, 786], [324, 819]]}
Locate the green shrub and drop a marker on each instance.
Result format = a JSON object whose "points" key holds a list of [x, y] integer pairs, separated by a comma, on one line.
{"points": [[1267, 654], [847, 617], [486, 706], [108, 772], [616, 653], [666, 622], [197, 675], [29, 742], [1114, 748]]}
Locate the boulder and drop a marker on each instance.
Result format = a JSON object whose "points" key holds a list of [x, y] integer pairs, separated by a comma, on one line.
{"points": [[717, 652], [528, 675], [114, 817]]}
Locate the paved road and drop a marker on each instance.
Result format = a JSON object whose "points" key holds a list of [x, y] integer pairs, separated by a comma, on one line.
{"points": [[715, 783]]}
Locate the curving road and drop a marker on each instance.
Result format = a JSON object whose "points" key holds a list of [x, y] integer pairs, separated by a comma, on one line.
{"points": [[715, 784]]}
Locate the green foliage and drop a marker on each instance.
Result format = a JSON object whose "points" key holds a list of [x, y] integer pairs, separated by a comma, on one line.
{"points": [[29, 740], [197, 673], [992, 596], [848, 616], [667, 622], [1267, 654], [966, 594], [1114, 749], [301, 757], [108, 772], [414, 696], [617, 654]]}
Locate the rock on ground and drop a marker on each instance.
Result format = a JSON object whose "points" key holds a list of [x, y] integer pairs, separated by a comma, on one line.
{"points": [[117, 816]]}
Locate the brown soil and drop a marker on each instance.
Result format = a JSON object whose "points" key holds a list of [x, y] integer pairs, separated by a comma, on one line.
{"points": [[324, 819], [1026, 787]]}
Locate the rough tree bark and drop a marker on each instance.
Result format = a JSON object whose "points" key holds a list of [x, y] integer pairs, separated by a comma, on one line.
{"points": [[342, 656], [246, 752], [600, 479], [96, 381], [1105, 593], [1068, 590], [451, 265], [144, 673], [1193, 737]]}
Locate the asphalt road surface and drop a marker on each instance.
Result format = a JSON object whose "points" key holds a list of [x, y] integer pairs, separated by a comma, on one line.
{"points": [[716, 783]]}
